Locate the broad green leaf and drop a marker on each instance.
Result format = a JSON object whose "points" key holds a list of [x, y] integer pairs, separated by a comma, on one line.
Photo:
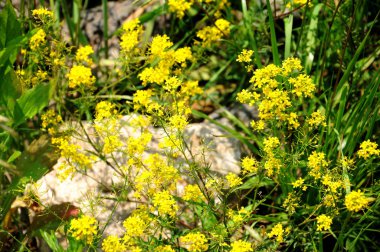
{"points": [[9, 90], [31, 102], [10, 27]]}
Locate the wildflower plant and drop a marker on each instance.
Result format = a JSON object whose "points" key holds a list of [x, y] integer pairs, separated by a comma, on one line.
{"points": [[309, 165]]}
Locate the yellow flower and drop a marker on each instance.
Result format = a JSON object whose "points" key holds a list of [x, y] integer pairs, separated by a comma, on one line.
{"points": [[84, 228], [302, 85], [324, 222], [211, 34], [37, 40], [272, 164], [194, 242], [241, 246], [104, 110], [333, 186], [112, 244], [83, 54], [298, 183], [293, 121], [249, 165], [316, 119], [291, 203], [165, 203], [316, 163], [130, 38], [291, 64], [42, 14], [245, 56], [164, 248], [247, 97], [278, 232], [50, 118], [233, 180], [179, 7], [367, 149], [270, 144], [193, 193], [136, 224], [178, 122], [80, 75], [160, 44], [111, 144], [356, 201]]}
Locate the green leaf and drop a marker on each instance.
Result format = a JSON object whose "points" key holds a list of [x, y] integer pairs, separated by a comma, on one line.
{"points": [[10, 27], [51, 240], [34, 162], [31, 102], [14, 156], [276, 57], [9, 91]]}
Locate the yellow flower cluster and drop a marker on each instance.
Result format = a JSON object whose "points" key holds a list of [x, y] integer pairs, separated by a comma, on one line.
{"points": [[74, 158], [316, 119], [131, 35], [83, 54], [179, 7], [50, 121], [211, 34], [194, 242], [290, 65], [84, 228], [238, 217], [278, 232], [275, 90], [247, 97], [272, 163], [193, 193], [316, 163], [298, 183], [245, 56], [136, 224], [164, 248], [156, 176], [111, 144], [323, 222], [80, 76], [37, 40], [113, 244], [165, 204], [167, 58], [356, 201], [332, 185], [42, 14], [233, 180], [367, 149], [291, 203], [241, 246], [249, 165]]}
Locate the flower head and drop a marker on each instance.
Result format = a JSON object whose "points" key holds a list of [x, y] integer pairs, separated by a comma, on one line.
{"points": [[195, 242], [278, 232], [367, 149], [84, 228], [324, 222], [80, 75], [356, 201]]}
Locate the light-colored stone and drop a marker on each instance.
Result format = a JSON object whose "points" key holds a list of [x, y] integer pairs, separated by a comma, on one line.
{"points": [[206, 142]]}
